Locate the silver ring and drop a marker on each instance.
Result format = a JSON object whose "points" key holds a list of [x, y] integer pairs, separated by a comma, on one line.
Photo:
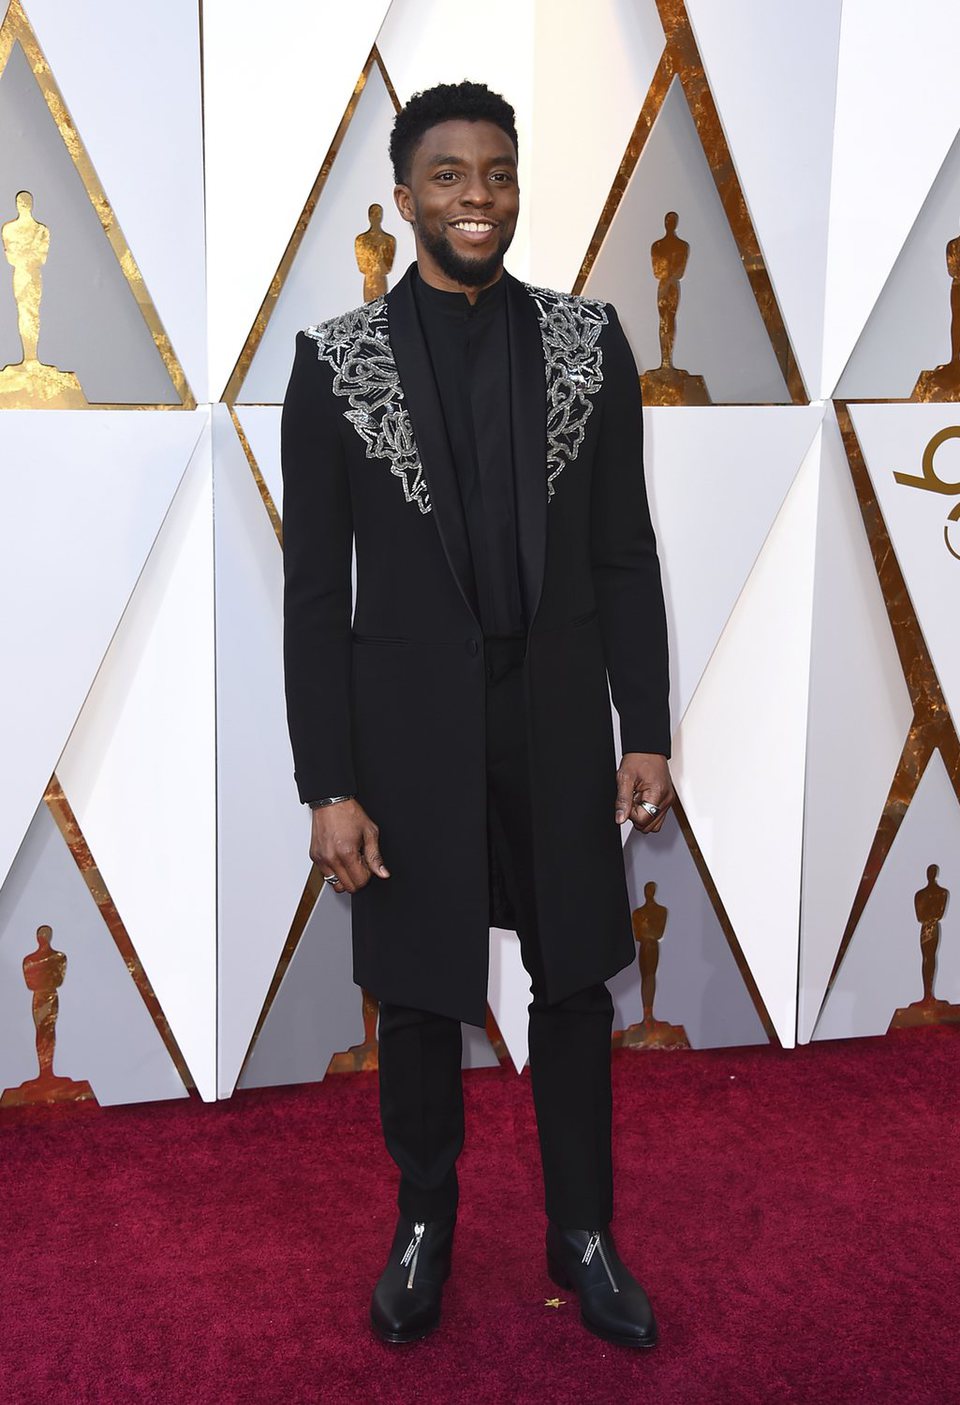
{"points": [[331, 878], [650, 809]]}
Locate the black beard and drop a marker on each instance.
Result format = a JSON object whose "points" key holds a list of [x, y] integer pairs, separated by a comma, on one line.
{"points": [[472, 273]]}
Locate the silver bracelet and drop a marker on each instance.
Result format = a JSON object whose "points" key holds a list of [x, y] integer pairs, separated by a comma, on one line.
{"points": [[331, 800]]}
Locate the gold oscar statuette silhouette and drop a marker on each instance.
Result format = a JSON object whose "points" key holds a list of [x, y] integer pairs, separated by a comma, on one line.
{"points": [[30, 381], [649, 925], [375, 251], [361, 1058], [943, 382], [930, 904], [44, 971], [668, 384]]}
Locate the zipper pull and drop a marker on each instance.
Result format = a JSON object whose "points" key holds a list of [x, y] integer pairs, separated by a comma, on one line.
{"points": [[592, 1244], [412, 1252]]}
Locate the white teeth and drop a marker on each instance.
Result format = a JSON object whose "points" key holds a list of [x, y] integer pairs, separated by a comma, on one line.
{"points": [[472, 226]]}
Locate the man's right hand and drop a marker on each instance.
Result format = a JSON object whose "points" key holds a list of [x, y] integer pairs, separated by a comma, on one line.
{"points": [[345, 841]]}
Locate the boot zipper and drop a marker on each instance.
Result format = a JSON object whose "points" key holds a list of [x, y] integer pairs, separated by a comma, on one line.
{"points": [[592, 1245], [412, 1253]]}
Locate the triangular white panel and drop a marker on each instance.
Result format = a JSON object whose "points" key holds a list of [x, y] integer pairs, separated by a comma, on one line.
{"points": [[894, 439], [277, 82], [261, 425], [881, 970], [324, 278], [478, 1052], [720, 334], [508, 993], [104, 1033], [698, 985], [419, 49], [897, 112], [91, 317], [139, 769], [860, 713], [145, 141], [717, 479], [263, 832], [739, 759], [772, 70], [84, 494], [317, 1012], [909, 329], [592, 68]]}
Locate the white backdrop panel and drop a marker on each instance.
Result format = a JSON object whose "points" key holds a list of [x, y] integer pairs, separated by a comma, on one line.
{"points": [[104, 1033], [739, 759], [139, 769], [881, 971], [261, 425], [422, 44], [130, 76], [592, 67], [860, 712], [84, 494], [909, 328], [263, 832], [276, 84], [893, 438], [324, 279], [720, 334], [717, 478], [317, 1012], [698, 984], [508, 993], [772, 70], [898, 110]]}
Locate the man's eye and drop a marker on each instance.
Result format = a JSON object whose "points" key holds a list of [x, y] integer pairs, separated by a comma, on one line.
{"points": [[447, 176]]}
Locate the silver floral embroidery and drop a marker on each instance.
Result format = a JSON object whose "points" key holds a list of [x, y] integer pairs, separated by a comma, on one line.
{"points": [[356, 346], [570, 328]]}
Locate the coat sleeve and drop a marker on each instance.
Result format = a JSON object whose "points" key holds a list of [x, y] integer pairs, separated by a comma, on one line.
{"points": [[317, 591], [626, 570]]}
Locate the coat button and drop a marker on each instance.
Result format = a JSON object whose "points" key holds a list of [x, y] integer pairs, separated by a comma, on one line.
{"points": [[473, 647]]}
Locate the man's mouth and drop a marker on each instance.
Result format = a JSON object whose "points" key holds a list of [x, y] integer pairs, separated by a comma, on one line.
{"points": [[474, 230]]}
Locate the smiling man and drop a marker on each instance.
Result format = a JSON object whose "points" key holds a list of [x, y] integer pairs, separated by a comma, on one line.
{"points": [[479, 442]]}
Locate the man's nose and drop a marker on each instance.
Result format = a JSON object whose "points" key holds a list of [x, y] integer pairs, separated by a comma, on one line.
{"points": [[476, 192]]}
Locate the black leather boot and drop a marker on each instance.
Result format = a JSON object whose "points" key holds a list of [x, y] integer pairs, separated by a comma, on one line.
{"points": [[406, 1300], [612, 1303]]}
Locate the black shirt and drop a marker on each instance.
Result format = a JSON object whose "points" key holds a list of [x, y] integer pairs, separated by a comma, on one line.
{"points": [[470, 354]]}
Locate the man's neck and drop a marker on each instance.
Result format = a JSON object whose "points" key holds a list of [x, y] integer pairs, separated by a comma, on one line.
{"points": [[436, 278]]}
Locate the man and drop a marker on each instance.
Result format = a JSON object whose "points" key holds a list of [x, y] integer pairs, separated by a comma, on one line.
{"points": [[479, 441]]}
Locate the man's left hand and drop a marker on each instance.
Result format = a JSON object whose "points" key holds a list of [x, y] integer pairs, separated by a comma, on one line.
{"points": [[643, 776]]}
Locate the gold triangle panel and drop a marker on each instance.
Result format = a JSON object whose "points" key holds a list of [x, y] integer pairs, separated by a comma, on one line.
{"points": [[66, 822], [653, 920], [31, 383], [932, 727], [235, 383], [681, 59]]}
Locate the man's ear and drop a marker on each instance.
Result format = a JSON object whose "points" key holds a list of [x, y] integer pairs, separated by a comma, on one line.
{"points": [[404, 202]]}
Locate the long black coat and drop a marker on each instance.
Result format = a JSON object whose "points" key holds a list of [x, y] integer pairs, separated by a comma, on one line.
{"points": [[391, 707]]}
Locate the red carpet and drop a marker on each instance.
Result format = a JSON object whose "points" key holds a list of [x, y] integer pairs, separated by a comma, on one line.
{"points": [[793, 1215]]}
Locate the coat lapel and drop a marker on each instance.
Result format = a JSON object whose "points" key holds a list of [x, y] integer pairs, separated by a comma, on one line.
{"points": [[426, 416], [528, 408]]}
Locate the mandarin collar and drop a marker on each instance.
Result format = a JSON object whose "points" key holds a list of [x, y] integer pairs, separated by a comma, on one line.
{"points": [[456, 304]]}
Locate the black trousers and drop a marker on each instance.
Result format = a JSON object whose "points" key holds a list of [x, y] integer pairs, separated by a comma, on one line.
{"points": [[421, 1094]]}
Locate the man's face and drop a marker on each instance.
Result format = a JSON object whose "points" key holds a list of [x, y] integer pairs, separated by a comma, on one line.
{"points": [[462, 200]]}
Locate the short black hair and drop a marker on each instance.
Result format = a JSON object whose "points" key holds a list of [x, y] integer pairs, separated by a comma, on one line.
{"points": [[447, 102]]}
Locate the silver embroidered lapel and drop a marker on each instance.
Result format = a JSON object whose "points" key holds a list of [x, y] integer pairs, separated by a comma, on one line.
{"points": [[570, 328], [357, 347]]}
